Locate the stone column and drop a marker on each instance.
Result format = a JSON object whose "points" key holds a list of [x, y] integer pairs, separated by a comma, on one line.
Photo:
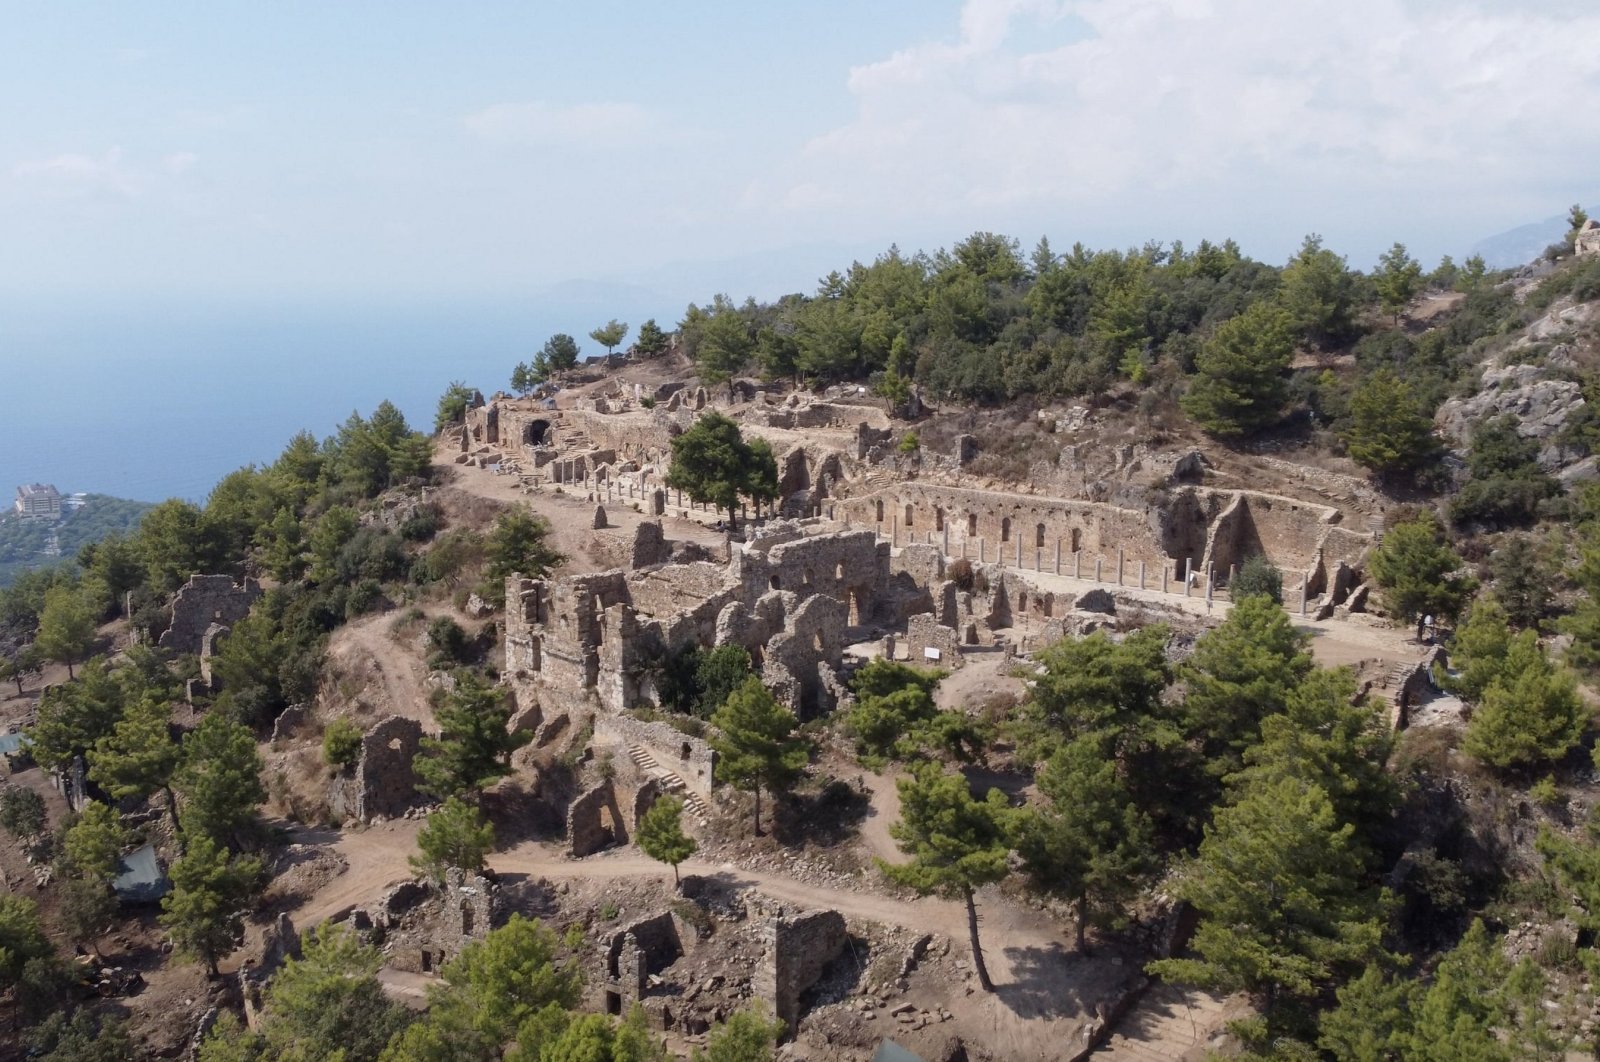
{"points": [[1141, 575], [1163, 576], [1077, 564], [1037, 560], [1119, 567], [894, 530], [1211, 586], [1097, 569], [980, 549], [1058, 556], [1019, 551], [1303, 584], [946, 546]]}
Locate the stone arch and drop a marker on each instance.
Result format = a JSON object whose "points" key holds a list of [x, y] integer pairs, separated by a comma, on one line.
{"points": [[536, 433], [972, 525], [1005, 529], [1038, 535], [775, 583], [880, 510], [910, 513], [1077, 543], [938, 518]]}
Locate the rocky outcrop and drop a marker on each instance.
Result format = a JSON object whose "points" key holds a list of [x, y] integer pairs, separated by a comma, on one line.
{"points": [[1542, 405]]}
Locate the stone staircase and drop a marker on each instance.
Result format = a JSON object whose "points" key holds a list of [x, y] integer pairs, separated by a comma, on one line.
{"points": [[1170, 1024], [670, 783]]}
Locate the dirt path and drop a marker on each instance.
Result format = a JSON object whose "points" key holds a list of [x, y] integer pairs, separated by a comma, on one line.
{"points": [[365, 648], [1025, 950], [883, 809]]}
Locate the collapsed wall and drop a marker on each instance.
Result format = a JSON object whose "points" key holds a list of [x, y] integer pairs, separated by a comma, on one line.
{"points": [[203, 602]]}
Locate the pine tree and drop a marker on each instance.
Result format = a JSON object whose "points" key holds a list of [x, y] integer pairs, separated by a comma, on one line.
{"points": [[1479, 650], [1330, 736], [455, 835], [95, 842], [327, 1005], [755, 743], [1241, 672], [1522, 580], [1530, 714], [1461, 1010], [1278, 884], [661, 835], [66, 626], [139, 756], [219, 781], [1373, 1019], [473, 747], [610, 334], [22, 813], [1416, 569], [506, 982], [957, 844], [1319, 293], [1398, 280], [1240, 385], [1092, 844], [715, 465], [1391, 428], [74, 716], [211, 891]]}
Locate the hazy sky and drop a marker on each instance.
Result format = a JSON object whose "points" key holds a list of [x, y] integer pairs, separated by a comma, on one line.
{"points": [[438, 148]]}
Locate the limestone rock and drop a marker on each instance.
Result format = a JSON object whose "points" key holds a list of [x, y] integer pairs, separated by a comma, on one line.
{"points": [[477, 607], [599, 517], [1543, 407]]}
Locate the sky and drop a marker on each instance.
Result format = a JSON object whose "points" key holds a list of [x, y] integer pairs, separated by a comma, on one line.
{"points": [[409, 150]]}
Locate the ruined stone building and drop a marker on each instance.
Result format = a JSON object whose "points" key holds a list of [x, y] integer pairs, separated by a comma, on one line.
{"points": [[787, 596], [203, 603]]}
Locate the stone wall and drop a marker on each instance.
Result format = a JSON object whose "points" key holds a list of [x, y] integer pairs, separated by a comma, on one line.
{"points": [[690, 758], [924, 633], [798, 950], [633, 953], [383, 783], [1188, 530], [594, 821], [201, 602], [471, 902]]}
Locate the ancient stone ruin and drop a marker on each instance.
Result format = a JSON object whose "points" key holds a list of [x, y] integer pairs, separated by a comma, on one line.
{"points": [[204, 602], [382, 782]]}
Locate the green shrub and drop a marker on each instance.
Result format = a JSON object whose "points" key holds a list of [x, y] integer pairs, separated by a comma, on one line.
{"points": [[341, 743], [1257, 576]]}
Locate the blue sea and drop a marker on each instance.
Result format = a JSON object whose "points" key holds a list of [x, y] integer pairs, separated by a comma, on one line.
{"points": [[156, 399]]}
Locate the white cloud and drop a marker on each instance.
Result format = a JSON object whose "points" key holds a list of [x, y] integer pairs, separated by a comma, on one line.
{"points": [[540, 123], [1316, 105], [78, 174]]}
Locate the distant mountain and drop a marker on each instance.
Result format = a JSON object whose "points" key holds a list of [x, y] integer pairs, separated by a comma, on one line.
{"points": [[1520, 245]]}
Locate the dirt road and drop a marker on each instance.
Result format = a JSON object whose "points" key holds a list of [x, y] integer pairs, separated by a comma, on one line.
{"points": [[364, 648]]}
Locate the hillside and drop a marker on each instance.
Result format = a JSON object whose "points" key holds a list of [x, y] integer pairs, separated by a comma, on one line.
{"points": [[23, 543], [1265, 668]]}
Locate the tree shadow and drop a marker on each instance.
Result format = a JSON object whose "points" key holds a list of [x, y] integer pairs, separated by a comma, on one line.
{"points": [[528, 896], [829, 817], [1048, 982]]}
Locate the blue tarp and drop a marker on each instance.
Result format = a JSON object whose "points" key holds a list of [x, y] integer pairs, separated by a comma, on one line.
{"points": [[140, 878], [10, 743], [889, 1051]]}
